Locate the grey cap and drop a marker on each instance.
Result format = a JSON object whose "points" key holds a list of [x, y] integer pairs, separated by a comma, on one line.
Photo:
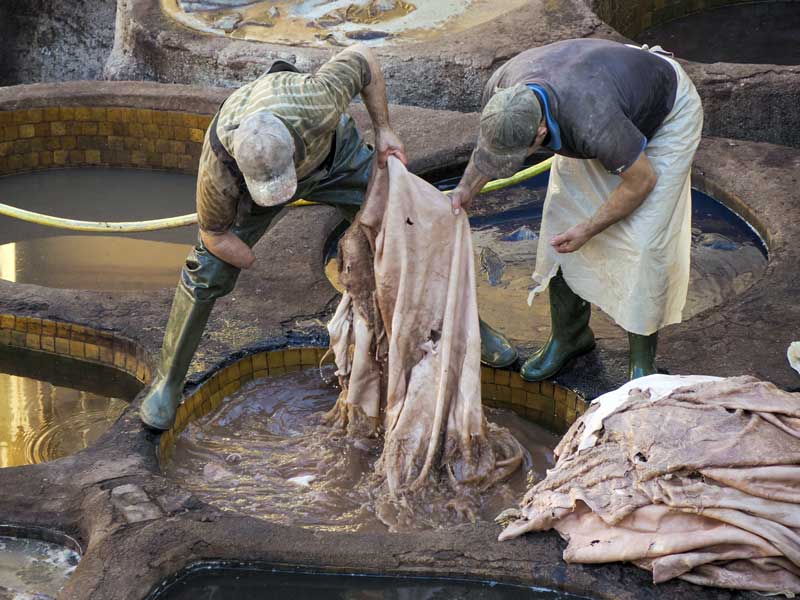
{"points": [[264, 151], [509, 122]]}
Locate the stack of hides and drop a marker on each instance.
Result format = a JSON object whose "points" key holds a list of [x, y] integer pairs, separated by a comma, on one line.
{"points": [[696, 478]]}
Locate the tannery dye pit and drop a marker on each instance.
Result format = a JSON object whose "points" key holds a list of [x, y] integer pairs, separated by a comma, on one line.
{"points": [[266, 452], [31, 253], [315, 22], [760, 33], [204, 448], [219, 583], [52, 407], [728, 257]]}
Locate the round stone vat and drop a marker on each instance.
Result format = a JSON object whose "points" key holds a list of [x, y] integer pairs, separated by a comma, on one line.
{"points": [[99, 152], [728, 257], [35, 562], [46, 256], [251, 439], [54, 406], [230, 582], [63, 385], [333, 23]]}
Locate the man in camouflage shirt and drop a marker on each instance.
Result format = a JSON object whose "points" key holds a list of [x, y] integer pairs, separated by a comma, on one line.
{"points": [[283, 137]]}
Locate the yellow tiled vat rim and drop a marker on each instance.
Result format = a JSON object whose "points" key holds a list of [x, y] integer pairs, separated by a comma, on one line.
{"points": [[79, 136], [546, 403], [79, 342]]}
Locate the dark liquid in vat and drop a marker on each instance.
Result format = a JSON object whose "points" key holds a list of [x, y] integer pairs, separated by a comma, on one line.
{"points": [[757, 33], [232, 584]]}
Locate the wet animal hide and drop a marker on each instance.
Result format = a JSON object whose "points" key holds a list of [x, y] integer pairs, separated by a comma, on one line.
{"points": [[701, 483], [407, 344]]}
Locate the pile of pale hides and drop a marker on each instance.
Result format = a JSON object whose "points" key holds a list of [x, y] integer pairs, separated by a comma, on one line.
{"points": [[407, 346], [690, 477]]}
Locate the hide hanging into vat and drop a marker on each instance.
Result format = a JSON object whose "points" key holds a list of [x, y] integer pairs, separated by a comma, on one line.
{"points": [[407, 348]]}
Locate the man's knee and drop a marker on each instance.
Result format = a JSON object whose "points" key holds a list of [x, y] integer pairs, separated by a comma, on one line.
{"points": [[206, 277]]}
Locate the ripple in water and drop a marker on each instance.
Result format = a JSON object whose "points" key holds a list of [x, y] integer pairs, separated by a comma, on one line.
{"points": [[265, 452], [42, 421]]}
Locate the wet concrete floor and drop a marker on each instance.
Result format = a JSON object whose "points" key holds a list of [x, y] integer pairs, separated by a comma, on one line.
{"points": [[232, 584], [31, 253], [52, 406], [759, 33], [265, 452]]}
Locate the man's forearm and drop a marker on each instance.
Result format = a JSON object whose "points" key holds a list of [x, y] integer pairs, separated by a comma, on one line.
{"points": [[374, 94], [621, 203], [637, 183]]}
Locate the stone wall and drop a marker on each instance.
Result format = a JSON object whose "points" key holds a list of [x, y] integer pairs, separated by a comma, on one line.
{"points": [[55, 40]]}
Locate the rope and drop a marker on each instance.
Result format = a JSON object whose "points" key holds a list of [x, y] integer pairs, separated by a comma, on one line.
{"points": [[183, 220]]}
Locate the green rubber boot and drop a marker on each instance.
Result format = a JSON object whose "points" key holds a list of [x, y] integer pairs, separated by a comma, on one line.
{"points": [[496, 350], [570, 334], [642, 356], [187, 319]]}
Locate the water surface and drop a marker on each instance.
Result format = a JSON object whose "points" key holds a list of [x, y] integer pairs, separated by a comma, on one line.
{"points": [[52, 406], [47, 256], [265, 452], [232, 584]]}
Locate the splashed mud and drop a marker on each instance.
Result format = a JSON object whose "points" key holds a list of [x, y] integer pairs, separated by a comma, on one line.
{"points": [[266, 452]]}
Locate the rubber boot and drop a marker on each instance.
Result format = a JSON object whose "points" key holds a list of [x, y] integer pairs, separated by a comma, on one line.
{"points": [[187, 320], [496, 350], [570, 334], [642, 355]]}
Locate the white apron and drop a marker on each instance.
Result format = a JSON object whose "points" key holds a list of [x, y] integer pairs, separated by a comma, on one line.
{"points": [[637, 270]]}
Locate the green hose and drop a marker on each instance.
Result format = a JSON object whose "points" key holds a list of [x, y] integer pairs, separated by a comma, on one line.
{"points": [[183, 220]]}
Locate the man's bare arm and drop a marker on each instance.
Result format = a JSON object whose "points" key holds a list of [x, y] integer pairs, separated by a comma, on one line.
{"points": [[374, 95], [472, 182], [637, 183]]}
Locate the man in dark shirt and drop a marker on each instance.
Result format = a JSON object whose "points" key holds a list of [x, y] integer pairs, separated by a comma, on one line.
{"points": [[625, 123]]}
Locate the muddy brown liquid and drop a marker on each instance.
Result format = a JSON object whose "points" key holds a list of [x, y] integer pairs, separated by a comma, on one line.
{"points": [[265, 452], [46, 256], [52, 407]]}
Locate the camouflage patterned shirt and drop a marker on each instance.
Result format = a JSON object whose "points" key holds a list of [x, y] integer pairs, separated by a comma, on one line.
{"points": [[309, 105]]}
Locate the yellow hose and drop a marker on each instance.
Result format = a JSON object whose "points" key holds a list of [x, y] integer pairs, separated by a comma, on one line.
{"points": [[183, 220]]}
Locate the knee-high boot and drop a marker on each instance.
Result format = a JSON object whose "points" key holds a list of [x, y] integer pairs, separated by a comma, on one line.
{"points": [[642, 355], [187, 320], [570, 334]]}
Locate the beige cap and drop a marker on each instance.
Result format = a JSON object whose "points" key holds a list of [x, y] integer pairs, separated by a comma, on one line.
{"points": [[264, 151], [508, 129]]}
